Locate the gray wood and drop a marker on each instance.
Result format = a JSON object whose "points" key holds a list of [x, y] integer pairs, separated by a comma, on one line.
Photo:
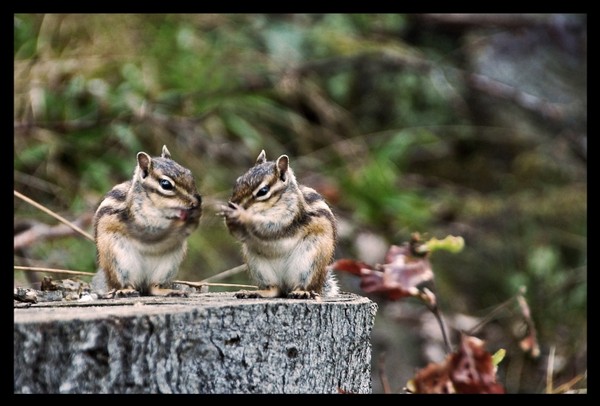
{"points": [[206, 343]]}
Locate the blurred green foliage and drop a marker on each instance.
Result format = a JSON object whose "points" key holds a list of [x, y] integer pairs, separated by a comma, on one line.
{"points": [[377, 111]]}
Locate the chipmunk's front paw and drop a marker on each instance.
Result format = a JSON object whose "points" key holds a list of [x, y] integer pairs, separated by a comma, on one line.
{"points": [[119, 293], [230, 211], [247, 294]]}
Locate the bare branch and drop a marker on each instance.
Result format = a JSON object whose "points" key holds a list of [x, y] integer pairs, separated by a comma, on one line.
{"points": [[40, 231], [56, 216], [438, 316]]}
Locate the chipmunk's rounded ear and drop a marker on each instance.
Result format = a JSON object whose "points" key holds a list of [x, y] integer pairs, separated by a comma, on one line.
{"points": [[165, 152], [262, 158], [144, 163], [283, 163]]}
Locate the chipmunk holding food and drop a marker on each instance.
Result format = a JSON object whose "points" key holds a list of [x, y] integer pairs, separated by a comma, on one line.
{"points": [[287, 230], [141, 228]]}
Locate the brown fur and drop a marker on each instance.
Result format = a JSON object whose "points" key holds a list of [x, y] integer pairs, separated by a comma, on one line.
{"points": [[288, 232], [141, 226]]}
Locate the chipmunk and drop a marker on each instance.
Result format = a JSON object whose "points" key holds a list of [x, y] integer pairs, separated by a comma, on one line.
{"points": [[141, 228], [287, 230]]}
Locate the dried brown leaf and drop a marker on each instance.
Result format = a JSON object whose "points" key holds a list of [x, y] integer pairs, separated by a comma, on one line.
{"points": [[350, 265], [404, 269], [470, 369], [374, 281], [434, 378], [398, 277]]}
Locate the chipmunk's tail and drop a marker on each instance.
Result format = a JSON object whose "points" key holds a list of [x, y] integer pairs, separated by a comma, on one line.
{"points": [[331, 287]]}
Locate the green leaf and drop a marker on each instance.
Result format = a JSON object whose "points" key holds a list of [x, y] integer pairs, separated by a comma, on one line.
{"points": [[450, 243], [498, 356]]}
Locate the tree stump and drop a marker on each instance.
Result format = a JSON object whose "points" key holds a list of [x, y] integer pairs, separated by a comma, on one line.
{"points": [[206, 343]]}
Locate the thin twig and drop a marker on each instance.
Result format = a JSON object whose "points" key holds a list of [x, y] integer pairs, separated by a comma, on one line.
{"points": [[473, 330], [52, 270], [33, 232], [430, 302], [225, 274], [56, 216], [440, 320], [200, 284]]}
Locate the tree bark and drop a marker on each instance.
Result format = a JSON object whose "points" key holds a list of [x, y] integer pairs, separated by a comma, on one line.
{"points": [[206, 343]]}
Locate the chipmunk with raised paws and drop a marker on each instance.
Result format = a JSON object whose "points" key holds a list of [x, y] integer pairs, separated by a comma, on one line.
{"points": [[141, 228], [287, 230]]}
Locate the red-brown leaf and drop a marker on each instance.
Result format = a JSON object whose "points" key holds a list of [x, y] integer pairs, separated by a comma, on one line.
{"points": [[468, 370], [374, 281], [398, 277], [350, 265], [433, 378], [408, 272], [402, 272], [472, 369]]}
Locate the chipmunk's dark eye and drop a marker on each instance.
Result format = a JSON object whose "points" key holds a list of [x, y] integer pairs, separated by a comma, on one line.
{"points": [[263, 191], [165, 184]]}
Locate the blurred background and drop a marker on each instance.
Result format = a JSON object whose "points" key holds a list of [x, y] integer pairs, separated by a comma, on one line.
{"points": [[443, 124]]}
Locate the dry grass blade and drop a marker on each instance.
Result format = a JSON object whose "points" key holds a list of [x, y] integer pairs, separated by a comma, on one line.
{"points": [[225, 274]]}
